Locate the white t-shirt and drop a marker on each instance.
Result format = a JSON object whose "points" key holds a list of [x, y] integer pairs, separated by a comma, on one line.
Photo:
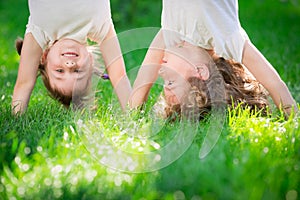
{"points": [[52, 20], [210, 24]]}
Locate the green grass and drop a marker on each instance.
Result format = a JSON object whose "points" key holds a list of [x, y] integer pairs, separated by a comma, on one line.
{"points": [[49, 154]]}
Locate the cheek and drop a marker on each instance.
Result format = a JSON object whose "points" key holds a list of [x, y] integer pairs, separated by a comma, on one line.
{"points": [[86, 64], [173, 96], [177, 94], [52, 62], [51, 52]]}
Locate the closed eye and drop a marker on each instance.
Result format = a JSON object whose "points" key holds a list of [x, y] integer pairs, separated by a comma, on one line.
{"points": [[169, 83]]}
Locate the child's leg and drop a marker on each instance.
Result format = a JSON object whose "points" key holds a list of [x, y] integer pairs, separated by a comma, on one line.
{"points": [[264, 72]]}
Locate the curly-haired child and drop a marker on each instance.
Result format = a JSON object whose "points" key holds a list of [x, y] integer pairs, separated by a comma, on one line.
{"points": [[194, 82], [215, 27]]}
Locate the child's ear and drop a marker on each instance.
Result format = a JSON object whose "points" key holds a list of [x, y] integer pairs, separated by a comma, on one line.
{"points": [[203, 71], [44, 57], [19, 45]]}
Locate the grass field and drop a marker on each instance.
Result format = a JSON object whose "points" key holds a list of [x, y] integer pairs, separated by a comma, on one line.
{"points": [[53, 153]]}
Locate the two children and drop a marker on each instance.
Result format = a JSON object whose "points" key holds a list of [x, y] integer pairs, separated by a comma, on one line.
{"points": [[55, 43]]}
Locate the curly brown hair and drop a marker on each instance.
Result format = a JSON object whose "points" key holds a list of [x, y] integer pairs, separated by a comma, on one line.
{"points": [[229, 83]]}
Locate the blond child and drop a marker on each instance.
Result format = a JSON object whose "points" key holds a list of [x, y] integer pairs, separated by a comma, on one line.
{"points": [[55, 43]]}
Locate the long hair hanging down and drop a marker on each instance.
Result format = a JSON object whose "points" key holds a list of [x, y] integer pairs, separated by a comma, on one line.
{"points": [[239, 85]]}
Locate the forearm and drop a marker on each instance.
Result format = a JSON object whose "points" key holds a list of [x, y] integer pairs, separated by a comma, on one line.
{"points": [[120, 82], [27, 73], [264, 72], [123, 90], [148, 72], [21, 96], [282, 97], [115, 67], [146, 77]]}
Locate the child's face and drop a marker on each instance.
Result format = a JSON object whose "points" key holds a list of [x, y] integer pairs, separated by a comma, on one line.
{"points": [[180, 64], [68, 62]]}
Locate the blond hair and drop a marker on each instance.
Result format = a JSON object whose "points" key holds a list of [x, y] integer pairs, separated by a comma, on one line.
{"points": [[65, 99]]}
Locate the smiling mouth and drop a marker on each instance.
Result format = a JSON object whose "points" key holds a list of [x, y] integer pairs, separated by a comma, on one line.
{"points": [[70, 54]]}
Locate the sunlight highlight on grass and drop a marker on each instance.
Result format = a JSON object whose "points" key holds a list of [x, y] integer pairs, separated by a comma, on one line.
{"points": [[135, 144]]}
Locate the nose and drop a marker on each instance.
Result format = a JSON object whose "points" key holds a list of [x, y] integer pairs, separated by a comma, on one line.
{"points": [[70, 63]]}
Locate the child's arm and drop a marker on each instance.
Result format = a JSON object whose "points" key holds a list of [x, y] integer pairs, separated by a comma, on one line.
{"points": [[268, 77], [27, 73], [115, 66], [148, 72]]}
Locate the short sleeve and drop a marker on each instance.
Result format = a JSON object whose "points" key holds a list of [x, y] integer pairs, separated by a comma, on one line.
{"points": [[98, 33], [232, 46], [227, 37], [39, 35]]}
